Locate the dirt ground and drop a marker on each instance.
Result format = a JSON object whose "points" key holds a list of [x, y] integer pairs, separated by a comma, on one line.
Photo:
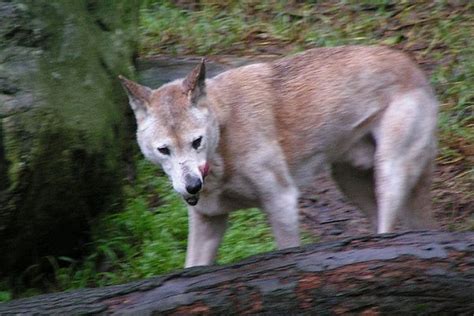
{"points": [[327, 215]]}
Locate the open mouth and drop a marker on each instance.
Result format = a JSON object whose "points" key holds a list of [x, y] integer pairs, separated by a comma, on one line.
{"points": [[192, 200]]}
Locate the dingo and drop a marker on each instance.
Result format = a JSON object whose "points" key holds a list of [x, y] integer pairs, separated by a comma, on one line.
{"points": [[252, 136]]}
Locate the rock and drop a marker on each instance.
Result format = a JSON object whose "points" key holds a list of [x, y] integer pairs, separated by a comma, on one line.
{"points": [[62, 122]]}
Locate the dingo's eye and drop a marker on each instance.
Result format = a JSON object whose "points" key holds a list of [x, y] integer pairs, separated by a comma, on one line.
{"points": [[164, 150], [197, 142]]}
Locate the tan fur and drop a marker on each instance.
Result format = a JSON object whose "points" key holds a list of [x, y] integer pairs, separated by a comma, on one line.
{"points": [[367, 112]]}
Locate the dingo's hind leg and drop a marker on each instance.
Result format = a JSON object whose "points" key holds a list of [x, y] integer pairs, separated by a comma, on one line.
{"points": [[405, 145]]}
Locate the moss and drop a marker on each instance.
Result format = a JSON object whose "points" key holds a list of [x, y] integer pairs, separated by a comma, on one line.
{"points": [[66, 153], [59, 190]]}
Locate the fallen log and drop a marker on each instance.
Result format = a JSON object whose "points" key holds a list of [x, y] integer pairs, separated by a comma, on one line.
{"points": [[408, 273]]}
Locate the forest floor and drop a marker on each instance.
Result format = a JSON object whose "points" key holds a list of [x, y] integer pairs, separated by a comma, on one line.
{"points": [[327, 215]]}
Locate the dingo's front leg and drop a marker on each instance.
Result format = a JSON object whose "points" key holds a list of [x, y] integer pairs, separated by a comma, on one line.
{"points": [[204, 237]]}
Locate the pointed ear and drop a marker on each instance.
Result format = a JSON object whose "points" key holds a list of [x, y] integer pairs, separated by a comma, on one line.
{"points": [[195, 82], [138, 96]]}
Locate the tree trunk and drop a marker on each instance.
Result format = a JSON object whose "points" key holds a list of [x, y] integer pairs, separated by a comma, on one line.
{"points": [[62, 122], [422, 273]]}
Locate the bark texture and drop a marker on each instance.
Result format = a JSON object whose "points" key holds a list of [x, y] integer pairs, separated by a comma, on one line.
{"points": [[62, 122], [422, 273]]}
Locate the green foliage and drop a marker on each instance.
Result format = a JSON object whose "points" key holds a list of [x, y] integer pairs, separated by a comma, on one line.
{"points": [[5, 296], [5, 292], [248, 234], [141, 241]]}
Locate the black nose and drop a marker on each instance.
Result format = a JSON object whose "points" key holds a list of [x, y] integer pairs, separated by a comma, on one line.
{"points": [[193, 184]]}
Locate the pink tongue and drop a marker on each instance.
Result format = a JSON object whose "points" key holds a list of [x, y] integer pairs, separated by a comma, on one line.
{"points": [[204, 169]]}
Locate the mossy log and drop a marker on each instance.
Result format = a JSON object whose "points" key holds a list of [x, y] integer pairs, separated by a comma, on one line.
{"points": [[62, 122], [422, 273]]}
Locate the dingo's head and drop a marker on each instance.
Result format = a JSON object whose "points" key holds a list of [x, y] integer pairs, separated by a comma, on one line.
{"points": [[176, 129]]}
